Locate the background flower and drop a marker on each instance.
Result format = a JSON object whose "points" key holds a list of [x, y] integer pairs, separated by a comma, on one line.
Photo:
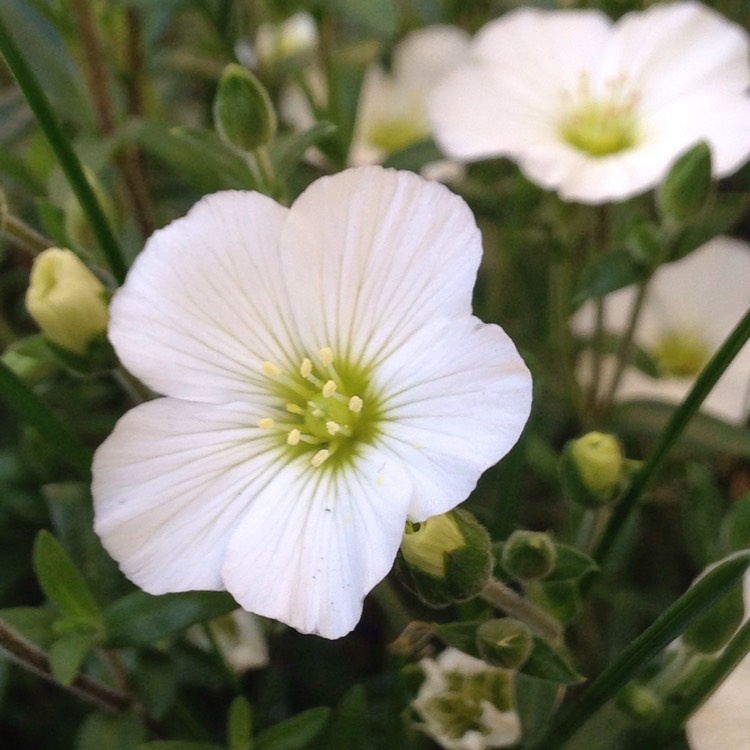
{"points": [[325, 381], [595, 110]]}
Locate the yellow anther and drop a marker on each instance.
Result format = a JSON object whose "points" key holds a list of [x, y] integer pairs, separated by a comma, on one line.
{"points": [[295, 409], [355, 404], [293, 437], [270, 369], [332, 427], [326, 356], [329, 389], [319, 457], [266, 423], [306, 368]]}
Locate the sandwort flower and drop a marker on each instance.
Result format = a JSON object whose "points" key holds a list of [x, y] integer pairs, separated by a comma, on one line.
{"points": [[594, 110], [466, 704], [690, 307], [324, 381]]}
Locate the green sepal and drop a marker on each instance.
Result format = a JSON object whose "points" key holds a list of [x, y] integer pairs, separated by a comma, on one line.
{"points": [[547, 663], [99, 357], [529, 555], [505, 642], [686, 189], [460, 635], [570, 564]]}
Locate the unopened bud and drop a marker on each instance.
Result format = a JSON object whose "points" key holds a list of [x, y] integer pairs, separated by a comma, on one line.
{"points": [[446, 558], [528, 555], [686, 189], [592, 469], [640, 703], [505, 642], [67, 301], [243, 113]]}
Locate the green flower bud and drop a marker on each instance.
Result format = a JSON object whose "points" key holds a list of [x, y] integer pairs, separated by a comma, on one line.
{"points": [[67, 301], [712, 631], [505, 642], [640, 703], [528, 555], [243, 113], [592, 469], [445, 559], [686, 189]]}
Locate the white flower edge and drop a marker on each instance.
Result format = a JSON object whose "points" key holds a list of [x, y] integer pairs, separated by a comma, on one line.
{"points": [[191, 493]]}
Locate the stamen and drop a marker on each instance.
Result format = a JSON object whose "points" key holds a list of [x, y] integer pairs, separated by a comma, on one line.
{"points": [[326, 356], [295, 409], [319, 457], [270, 369], [329, 389], [332, 427], [355, 404], [293, 437], [266, 423]]}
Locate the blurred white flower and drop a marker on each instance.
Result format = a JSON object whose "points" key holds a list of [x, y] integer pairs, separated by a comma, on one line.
{"points": [[690, 307], [325, 380], [594, 110], [466, 704], [297, 36], [240, 638]]}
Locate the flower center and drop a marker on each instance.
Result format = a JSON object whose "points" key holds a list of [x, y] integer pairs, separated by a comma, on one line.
{"points": [[600, 125], [320, 410], [396, 133], [680, 354]]}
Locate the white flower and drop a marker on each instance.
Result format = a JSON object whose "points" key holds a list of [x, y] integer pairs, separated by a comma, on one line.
{"points": [[466, 704], [325, 380], [691, 305], [392, 111], [240, 638], [297, 36], [595, 110]]}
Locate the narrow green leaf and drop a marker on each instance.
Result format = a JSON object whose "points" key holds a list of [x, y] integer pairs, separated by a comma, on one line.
{"points": [[548, 664], [21, 399], [670, 624], [348, 726], [67, 654], [294, 733], [62, 583], [140, 618], [608, 273], [240, 725]]}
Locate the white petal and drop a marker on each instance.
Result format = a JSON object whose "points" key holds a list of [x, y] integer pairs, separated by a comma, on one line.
{"points": [[204, 304], [171, 483], [315, 542], [372, 255], [457, 399]]}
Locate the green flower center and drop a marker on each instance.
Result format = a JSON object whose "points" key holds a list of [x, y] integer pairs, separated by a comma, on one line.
{"points": [[680, 354], [600, 125], [395, 134], [321, 408]]}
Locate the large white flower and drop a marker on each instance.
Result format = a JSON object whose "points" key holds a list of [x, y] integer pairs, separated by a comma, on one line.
{"points": [[691, 305], [466, 704], [595, 110], [325, 381]]}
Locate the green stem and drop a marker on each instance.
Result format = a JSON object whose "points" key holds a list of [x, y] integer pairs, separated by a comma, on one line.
{"points": [[672, 431], [670, 624], [64, 152], [33, 410], [22, 234]]}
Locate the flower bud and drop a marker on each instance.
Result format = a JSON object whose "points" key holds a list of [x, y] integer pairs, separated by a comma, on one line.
{"points": [[640, 703], [712, 631], [243, 113], [67, 301], [686, 189], [505, 642], [528, 555], [592, 469], [446, 558]]}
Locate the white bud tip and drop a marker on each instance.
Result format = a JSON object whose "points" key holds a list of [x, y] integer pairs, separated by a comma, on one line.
{"points": [[266, 423], [355, 404], [306, 368], [270, 369], [329, 389], [293, 437], [332, 427], [326, 356], [319, 457]]}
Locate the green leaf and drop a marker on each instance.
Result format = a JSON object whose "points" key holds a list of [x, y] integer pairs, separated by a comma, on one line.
{"points": [[33, 623], [67, 654], [294, 733], [704, 433], [414, 157], [608, 273], [736, 527], [703, 510], [178, 745], [670, 624], [548, 664], [535, 702], [102, 731], [348, 727], [240, 725], [376, 17], [62, 583], [460, 635], [140, 618], [287, 152], [571, 564]]}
